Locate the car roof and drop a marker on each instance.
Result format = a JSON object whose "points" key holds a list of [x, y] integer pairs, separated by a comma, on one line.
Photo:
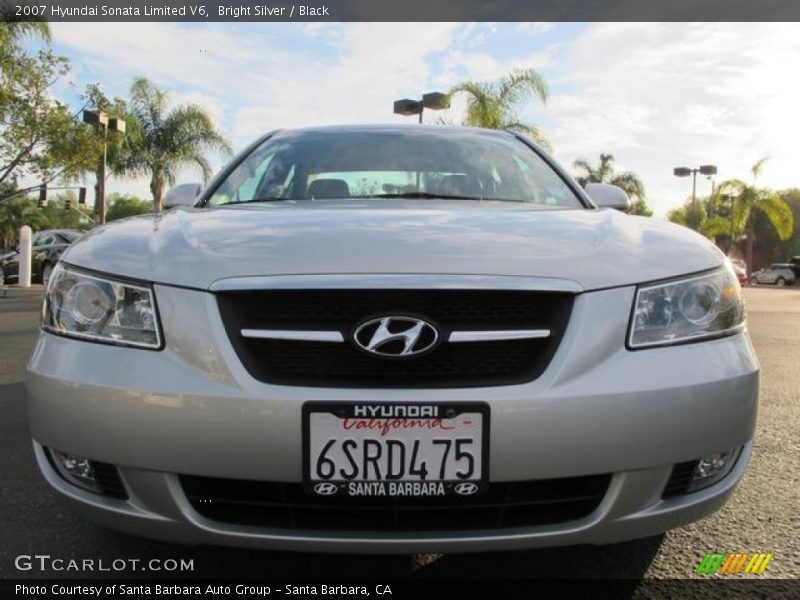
{"points": [[444, 130]]}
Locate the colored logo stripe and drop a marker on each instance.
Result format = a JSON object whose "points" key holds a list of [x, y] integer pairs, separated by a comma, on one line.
{"points": [[721, 562], [758, 563], [710, 563], [734, 563]]}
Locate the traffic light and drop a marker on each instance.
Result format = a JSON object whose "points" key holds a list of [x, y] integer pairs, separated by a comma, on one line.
{"points": [[42, 196], [68, 203], [82, 196]]}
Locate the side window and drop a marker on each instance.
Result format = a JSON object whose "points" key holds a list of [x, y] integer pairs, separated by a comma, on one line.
{"points": [[248, 189], [547, 187], [260, 176], [279, 185]]}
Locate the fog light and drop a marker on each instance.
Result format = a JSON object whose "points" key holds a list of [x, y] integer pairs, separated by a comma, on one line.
{"points": [[77, 470], [711, 469]]}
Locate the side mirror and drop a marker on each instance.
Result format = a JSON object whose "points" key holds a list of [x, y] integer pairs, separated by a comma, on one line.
{"points": [[182, 195], [608, 196]]}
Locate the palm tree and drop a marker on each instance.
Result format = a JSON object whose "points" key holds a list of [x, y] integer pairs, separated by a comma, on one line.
{"points": [[748, 200], [694, 215], [604, 173], [493, 105], [14, 31], [163, 138]]}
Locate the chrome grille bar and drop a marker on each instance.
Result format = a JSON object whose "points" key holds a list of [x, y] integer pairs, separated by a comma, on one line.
{"points": [[294, 335], [494, 336], [455, 336]]}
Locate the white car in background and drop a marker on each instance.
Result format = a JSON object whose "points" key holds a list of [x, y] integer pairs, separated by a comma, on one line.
{"points": [[779, 274]]}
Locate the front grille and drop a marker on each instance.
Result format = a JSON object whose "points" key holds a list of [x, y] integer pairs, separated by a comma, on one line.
{"points": [[287, 506], [680, 478], [325, 364]]}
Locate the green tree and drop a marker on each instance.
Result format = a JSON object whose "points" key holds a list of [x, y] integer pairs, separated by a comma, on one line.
{"points": [[604, 172], [55, 215], [706, 216], [494, 105], [695, 215], [13, 32], [749, 201], [16, 212], [40, 138], [164, 138], [122, 206], [771, 248], [20, 210]]}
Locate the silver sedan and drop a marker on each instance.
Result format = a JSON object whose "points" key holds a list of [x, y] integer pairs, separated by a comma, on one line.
{"points": [[393, 339]]}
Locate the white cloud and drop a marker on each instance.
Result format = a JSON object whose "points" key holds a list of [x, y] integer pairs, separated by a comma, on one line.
{"points": [[373, 64], [659, 95], [169, 53], [481, 66], [656, 95]]}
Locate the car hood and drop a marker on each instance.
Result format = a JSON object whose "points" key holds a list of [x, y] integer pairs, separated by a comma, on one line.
{"points": [[196, 247]]}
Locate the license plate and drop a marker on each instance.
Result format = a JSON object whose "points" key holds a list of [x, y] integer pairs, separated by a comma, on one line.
{"points": [[378, 450]]}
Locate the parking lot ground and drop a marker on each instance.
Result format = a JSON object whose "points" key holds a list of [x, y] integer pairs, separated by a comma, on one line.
{"points": [[762, 516]]}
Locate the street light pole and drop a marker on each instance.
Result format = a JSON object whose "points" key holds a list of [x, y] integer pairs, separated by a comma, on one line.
{"points": [[407, 107], [100, 208], [101, 119], [685, 172], [733, 206]]}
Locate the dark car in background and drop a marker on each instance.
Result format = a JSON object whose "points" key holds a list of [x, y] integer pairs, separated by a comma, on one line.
{"points": [[46, 248], [794, 265]]}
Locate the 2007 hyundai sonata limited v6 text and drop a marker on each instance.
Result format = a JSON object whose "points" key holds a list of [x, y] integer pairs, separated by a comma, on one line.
{"points": [[393, 339]]}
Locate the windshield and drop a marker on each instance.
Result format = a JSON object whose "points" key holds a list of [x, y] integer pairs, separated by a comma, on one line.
{"points": [[377, 164]]}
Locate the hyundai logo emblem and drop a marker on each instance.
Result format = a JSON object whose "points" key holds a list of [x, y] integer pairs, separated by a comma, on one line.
{"points": [[466, 488], [325, 489], [396, 336]]}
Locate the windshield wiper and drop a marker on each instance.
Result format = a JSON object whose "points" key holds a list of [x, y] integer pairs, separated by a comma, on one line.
{"points": [[414, 195], [254, 200], [402, 195]]}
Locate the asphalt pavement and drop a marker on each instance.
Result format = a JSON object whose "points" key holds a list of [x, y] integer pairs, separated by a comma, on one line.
{"points": [[762, 516]]}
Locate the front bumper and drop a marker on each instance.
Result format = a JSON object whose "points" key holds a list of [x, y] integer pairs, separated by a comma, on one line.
{"points": [[193, 409]]}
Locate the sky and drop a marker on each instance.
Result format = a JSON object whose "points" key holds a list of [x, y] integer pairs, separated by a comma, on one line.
{"points": [[655, 95]]}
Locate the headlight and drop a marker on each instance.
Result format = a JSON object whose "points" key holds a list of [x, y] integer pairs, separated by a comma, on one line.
{"points": [[100, 309], [687, 309]]}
